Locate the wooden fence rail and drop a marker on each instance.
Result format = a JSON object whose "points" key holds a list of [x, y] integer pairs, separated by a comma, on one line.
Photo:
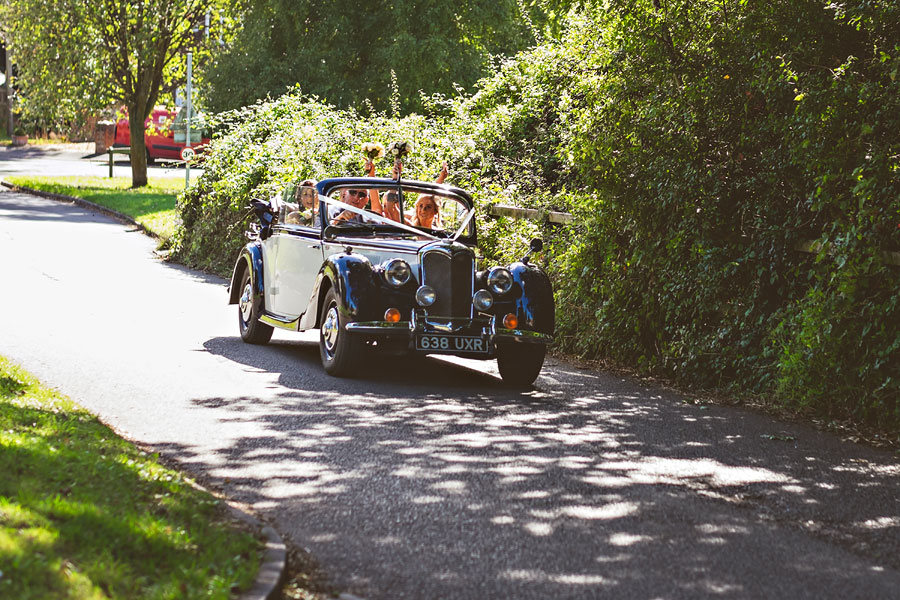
{"points": [[501, 210]]}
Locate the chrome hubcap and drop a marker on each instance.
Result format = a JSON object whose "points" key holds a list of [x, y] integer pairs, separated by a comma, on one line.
{"points": [[246, 302], [330, 330]]}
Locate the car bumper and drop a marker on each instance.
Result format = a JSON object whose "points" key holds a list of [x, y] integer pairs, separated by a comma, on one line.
{"points": [[484, 329]]}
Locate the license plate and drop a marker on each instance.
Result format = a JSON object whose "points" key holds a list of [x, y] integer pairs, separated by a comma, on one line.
{"points": [[451, 343]]}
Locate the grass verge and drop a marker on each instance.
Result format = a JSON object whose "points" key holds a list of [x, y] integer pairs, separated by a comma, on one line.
{"points": [[152, 206], [85, 514]]}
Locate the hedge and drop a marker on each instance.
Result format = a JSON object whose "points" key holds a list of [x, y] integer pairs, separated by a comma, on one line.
{"points": [[698, 144]]}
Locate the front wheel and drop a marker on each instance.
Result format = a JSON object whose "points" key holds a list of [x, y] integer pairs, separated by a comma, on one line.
{"points": [[253, 331], [520, 363], [339, 351]]}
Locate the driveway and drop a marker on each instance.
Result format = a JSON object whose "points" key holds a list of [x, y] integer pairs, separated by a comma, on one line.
{"points": [[440, 482]]}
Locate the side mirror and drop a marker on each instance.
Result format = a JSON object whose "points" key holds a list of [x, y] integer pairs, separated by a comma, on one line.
{"points": [[330, 233], [536, 245]]}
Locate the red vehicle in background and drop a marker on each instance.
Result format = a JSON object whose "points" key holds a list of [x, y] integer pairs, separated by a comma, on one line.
{"points": [[164, 135]]}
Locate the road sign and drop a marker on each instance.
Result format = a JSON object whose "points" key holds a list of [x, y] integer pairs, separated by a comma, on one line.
{"points": [[187, 154]]}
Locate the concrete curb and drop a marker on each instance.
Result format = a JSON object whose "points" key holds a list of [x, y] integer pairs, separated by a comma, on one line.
{"points": [[80, 202], [272, 568]]}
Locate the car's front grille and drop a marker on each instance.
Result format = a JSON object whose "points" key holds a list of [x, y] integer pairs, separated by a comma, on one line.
{"points": [[449, 271]]}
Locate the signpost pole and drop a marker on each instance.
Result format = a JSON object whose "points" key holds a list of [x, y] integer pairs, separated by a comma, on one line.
{"points": [[187, 123], [9, 91]]}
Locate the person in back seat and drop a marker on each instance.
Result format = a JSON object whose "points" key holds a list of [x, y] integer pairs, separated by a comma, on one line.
{"points": [[307, 205]]}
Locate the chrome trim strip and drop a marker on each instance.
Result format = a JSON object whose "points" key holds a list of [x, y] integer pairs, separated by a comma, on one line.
{"points": [[379, 327], [522, 335]]}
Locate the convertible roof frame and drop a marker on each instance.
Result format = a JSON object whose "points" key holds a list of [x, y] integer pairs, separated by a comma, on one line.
{"points": [[326, 186]]}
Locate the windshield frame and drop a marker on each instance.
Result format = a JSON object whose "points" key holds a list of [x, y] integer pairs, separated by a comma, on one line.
{"points": [[403, 186]]}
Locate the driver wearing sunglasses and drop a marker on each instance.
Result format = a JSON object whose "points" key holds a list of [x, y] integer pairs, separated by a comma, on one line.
{"points": [[353, 197], [358, 198]]}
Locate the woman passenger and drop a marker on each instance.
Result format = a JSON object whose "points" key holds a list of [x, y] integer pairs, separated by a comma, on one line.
{"points": [[308, 205], [428, 213], [392, 206]]}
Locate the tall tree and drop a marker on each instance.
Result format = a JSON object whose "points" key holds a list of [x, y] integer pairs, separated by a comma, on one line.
{"points": [[379, 52], [104, 52]]}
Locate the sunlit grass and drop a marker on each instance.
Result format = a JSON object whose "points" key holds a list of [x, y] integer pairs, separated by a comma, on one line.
{"points": [[153, 206], [85, 514]]}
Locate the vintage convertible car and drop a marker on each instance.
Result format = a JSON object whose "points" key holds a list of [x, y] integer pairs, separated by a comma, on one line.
{"points": [[369, 283]]}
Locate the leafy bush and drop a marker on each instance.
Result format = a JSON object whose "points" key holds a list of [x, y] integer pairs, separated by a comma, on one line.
{"points": [[273, 143], [699, 145], [709, 141]]}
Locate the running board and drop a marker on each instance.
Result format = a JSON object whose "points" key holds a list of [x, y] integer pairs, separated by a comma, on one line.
{"points": [[280, 322]]}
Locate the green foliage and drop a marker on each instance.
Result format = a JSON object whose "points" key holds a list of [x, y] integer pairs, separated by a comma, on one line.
{"points": [[706, 141], [345, 52], [698, 144], [294, 137]]}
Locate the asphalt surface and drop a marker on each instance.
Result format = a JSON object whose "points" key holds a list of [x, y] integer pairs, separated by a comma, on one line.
{"points": [[432, 480], [76, 159]]}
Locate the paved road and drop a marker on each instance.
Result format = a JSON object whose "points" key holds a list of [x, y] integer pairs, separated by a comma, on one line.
{"points": [[442, 483], [75, 159]]}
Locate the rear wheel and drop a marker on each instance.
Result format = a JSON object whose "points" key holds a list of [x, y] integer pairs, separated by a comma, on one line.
{"points": [[339, 351], [249, 308], [520, 363]]}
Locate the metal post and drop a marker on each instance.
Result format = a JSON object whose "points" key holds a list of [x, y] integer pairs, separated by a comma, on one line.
{"points": [[110, 152], [9, 92], [187, 123]]}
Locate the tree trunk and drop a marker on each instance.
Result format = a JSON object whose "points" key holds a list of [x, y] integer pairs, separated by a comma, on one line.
{"points": [[138, 151]]}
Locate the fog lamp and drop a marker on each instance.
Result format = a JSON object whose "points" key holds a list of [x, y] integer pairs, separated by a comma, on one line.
{"points": [[426, 295], [482, 300], [510, 321], [392, 315]]}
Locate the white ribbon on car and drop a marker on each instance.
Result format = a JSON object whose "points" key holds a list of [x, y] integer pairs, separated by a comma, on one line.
{"points": [[465, 224]]}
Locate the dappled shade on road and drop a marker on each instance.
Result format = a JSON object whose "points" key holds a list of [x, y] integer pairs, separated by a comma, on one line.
{"points": [[585, 483]]}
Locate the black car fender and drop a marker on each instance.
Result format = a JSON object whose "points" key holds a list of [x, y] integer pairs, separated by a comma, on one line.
{"points": [[250, 258], [353, 278], [535, 306]]}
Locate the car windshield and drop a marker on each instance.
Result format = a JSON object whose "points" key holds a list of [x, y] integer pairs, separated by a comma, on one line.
{"points": [[439, 213], [298, 206]]}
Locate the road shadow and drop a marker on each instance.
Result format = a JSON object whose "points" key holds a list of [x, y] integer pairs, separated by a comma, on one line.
{"points": [[299, 367], [588, 485]]}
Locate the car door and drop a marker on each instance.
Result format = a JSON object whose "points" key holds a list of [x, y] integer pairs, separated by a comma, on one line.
{"points": [[295, 253]]}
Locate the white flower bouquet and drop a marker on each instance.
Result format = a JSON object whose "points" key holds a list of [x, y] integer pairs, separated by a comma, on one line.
{"points": [[373, 150], [400, 149]]}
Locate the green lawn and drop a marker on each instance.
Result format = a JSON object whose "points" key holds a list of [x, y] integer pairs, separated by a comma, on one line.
{"points": [[152, 206], [85, 514]]}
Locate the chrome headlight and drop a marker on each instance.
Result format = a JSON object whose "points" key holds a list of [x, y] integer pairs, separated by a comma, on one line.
{"points": [[482, 300], [426, 295], [397, 272], [499, 280]]}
